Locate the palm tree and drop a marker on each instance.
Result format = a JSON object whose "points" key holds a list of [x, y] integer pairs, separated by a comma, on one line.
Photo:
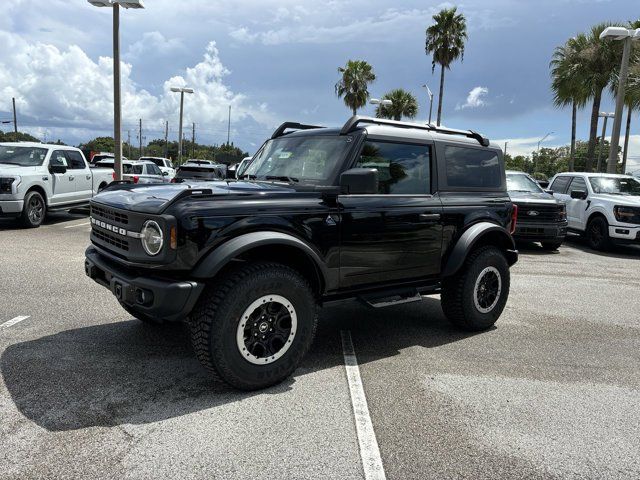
{"points": [[445, 41], [353, 86], [404, 104], [567, 87], [595, 67]]}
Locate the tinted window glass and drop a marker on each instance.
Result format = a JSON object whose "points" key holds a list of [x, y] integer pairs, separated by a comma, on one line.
{"points": [[59, 158], [472, 168], [578, 184], [129, 169], [153, 170], [76, 162], [560, 184], [402, 168]]}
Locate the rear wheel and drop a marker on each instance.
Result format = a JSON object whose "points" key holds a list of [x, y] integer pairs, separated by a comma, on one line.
{"points": [[252, 328], [474, 298], [598, 233], [34, 210]]}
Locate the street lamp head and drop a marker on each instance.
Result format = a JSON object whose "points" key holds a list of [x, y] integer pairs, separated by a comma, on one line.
{"points": [[122, 3], [182, 89], [618, 33], [377, 101], [607, 114]]}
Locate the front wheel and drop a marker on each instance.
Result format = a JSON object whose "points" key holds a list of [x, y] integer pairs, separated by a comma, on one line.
{"points": [[475, 297], [598, 233], [33, 211], [253, 326]]}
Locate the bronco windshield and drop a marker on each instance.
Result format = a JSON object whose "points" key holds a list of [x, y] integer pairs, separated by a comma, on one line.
{"points": [[519, 182], [304, 159], [615, 185], [22, 156]]}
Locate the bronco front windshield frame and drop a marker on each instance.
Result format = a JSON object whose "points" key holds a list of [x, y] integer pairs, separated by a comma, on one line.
{"points": [[305, 159]]}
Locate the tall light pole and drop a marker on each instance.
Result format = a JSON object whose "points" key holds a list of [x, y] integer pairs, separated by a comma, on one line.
{"points": [[182, 91], [538, 150], [430, 93], [604, 132], [117, 107], [627, 36]]}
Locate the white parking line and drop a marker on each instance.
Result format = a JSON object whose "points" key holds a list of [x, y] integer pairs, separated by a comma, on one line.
{"points": [[13, 321], [77, 225], [369, 451]]}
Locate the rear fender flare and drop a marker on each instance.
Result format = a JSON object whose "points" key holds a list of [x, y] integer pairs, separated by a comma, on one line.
{"points": [[474, 235]]}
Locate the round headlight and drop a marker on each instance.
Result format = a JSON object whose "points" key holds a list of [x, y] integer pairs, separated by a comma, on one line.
{"points": [[151, 236]]}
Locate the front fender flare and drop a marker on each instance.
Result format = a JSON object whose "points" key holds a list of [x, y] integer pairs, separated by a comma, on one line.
{"points": [[471, 237], [223, 254]]}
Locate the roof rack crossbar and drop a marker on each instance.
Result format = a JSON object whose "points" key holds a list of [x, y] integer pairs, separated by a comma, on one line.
{"points": [[354, 121], [295, 125]]}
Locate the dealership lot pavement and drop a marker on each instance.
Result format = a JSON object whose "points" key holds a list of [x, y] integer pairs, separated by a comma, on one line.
{"points": [[552, 391]]}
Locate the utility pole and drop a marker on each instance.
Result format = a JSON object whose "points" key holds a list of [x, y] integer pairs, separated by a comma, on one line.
{"points": [[229, 126], [166, 139], [129, 142], [15, 121], [505, 148], [193, 140], [140, 136]]}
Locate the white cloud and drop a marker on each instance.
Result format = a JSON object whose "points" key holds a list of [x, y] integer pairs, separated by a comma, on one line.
{"points": [[524, 146], [475, 99], [153, 44], [65, 89]]}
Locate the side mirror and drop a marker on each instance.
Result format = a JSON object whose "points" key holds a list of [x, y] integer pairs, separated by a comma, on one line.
{"points": [[359, 181], [164, 174], [578, 194], [56, 168]]}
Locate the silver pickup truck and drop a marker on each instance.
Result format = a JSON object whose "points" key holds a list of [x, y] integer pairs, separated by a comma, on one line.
{"points": [[37, 178]]}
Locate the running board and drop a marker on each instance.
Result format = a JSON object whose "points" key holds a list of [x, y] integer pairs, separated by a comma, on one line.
{"points": [[389, 300]]}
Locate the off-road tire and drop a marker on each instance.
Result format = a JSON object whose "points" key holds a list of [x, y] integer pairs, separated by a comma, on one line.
{"points": [[457, 298], [27, 218], [146, 319], [215, 320], [597, 234], [551, 246]]}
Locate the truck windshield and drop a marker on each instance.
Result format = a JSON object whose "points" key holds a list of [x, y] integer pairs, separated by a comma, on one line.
{"points": [[22, 156], [518, 182], [615, 185], [304, 159]]}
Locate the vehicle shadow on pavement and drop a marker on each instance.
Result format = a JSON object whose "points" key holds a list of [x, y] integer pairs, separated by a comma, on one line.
{"points": [[617, 250], [51, 219], [132, 373]]}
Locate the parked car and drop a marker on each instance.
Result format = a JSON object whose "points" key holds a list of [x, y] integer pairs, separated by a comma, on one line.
{"points": [[605, 208], [196, 161], [191, 172], [98, 157], [136, 171], [541, 217], [164, 164], [249, 263], [37, 178]]}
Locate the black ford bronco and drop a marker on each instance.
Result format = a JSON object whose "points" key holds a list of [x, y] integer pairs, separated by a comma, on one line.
{"points": [[378, 210]]}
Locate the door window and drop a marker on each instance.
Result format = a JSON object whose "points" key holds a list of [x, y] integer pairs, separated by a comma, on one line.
{"points": [[58, 158], [560, 184], [402, 168], [76, 162], [578, 183]]}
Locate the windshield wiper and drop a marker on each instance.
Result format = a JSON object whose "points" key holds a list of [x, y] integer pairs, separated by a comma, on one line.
{"points": [[248, 176], [283, 178]]}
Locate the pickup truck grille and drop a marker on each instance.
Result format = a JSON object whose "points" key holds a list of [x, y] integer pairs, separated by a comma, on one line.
{"points": [[539, 213], [109, 214]]}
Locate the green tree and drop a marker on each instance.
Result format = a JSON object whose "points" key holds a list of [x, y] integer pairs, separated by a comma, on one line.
{"points": [[353, 87], [17, 137], [99, 144], [568, 88], [445, 42], [404, 104]]}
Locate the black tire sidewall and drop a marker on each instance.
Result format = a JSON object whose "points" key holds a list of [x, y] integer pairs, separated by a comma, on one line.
{"points": [[604, 225], [25, 210], [490, 257], [224, 349]]}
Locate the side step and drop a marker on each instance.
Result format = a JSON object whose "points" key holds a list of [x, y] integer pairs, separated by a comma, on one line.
{"points": [[387, 300]]}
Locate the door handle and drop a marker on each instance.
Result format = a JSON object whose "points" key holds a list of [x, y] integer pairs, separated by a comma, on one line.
{"points": [[71, 177], [425, 217], [88, 177]]}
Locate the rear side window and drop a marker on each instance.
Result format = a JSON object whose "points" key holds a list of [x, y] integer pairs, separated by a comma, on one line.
{"points": [[560, 184], [472, 167], [402, 168]]}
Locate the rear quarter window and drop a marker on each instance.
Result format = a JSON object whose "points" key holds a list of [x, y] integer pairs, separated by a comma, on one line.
{"points": [[473, 168]]}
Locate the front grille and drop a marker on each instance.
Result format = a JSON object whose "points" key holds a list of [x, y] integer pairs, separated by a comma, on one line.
{"points": [[539, 213], [109, 214], [119, 243]]}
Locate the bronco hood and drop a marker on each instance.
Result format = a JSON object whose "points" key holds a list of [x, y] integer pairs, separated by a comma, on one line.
{"points": [[154, 198]]}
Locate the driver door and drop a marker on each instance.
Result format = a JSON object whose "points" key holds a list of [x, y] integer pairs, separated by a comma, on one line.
{"points": [[62, 184], [577, 208]]}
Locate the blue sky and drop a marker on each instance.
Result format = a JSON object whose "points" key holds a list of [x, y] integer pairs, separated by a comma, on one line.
{"points": [[277, 60]]}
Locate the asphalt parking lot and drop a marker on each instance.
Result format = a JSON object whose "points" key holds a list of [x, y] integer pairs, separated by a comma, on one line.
{"points": [[551, 392]]}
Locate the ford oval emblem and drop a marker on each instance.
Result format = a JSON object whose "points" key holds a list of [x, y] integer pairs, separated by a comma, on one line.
{"points": [[533, 213]]}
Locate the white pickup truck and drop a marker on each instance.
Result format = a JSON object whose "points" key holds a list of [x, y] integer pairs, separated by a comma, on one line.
{"points": [[37, 178]]}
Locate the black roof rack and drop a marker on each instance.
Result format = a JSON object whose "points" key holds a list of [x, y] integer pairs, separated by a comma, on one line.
{"points": [[298, 126], [354, 121]]}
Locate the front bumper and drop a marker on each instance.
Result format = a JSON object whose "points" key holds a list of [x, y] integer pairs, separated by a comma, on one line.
{"points": [[11, 207], [162, 299], [624, 233], [541, 232]]}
